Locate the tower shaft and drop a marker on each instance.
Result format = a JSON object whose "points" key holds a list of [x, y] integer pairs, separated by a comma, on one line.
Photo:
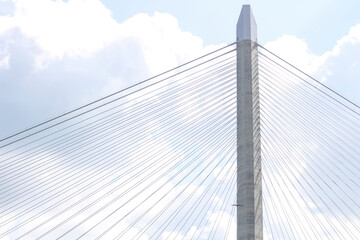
{"points": [[249, 176]]}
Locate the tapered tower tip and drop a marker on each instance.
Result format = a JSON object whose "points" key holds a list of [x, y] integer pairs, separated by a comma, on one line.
{"points": [[246, 28]]}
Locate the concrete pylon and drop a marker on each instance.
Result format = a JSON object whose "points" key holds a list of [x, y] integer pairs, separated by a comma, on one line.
{"points": [[249, 176]]}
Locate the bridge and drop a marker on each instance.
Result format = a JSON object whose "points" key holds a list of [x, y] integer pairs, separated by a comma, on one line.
{"points": [[235, 144]]}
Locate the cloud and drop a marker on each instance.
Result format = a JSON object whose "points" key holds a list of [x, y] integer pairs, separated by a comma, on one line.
{"points": [[72, 52], [6, 23], [338, 67], [73, 28], [296, 51], [341, 67], [4, 62], [352, 38], [79, 28]]}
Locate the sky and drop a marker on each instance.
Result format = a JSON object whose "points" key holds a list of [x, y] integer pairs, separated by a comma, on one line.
{"points": [[214, 21], [58, 55]]}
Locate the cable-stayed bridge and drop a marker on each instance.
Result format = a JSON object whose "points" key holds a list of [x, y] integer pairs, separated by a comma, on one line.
{"points": [[160, 159]]}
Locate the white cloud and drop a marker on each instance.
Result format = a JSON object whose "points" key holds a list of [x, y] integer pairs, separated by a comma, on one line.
{"points": [[161, 38], [4, 62], [297, 52], [71, 52], [323, 66], [6, 23], [73, 28], [352, 38], [79, 28]]}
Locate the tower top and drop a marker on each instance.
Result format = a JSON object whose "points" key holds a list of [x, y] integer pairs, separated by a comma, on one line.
{"points": [[246, 28]]}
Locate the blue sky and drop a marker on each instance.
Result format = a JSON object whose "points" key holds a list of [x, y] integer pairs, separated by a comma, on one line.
{"points": [[56, 55], [321, 23]]}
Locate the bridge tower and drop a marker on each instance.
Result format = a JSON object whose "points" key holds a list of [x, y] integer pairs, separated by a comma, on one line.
{"points": [[249, 176]]}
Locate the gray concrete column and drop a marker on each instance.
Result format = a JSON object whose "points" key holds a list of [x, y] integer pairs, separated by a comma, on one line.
{"points": [[249, 195]]}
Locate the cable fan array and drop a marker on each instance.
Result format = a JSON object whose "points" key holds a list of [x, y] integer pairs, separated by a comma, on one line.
{"points": [[155, 160], [310, 155]]}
